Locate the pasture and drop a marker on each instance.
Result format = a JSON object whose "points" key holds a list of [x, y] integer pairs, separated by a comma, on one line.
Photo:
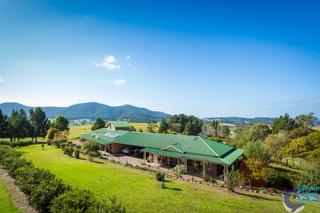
{"points": [[140, 192]]}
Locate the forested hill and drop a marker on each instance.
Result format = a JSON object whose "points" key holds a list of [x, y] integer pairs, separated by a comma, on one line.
{"points": [[92, 110], [239, 121]]}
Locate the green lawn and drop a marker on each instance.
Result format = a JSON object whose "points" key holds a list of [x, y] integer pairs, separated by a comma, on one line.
{"points": [[6, 205], [142, 126], [76, 131], [139, 191]]}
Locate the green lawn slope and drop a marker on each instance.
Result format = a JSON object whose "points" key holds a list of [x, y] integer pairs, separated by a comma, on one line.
{"points": [[139, 191]]}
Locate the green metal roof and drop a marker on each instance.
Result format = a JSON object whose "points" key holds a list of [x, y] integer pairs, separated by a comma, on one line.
{"points": [[192, 156], [180, 146], [120, 124]]}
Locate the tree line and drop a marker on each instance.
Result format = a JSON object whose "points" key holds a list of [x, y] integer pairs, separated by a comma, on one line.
{"points": [[285, 138], [191, 125], [19, 125]]}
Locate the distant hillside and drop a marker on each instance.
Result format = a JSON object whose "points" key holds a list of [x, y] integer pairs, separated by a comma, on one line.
{"points": [[239, 121], [92, 110]]}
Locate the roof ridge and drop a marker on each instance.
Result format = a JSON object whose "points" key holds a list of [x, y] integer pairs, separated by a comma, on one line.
{"points": [[208, 145]]}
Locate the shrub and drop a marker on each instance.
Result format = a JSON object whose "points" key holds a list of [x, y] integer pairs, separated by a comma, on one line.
{"points": [[280, 180], [179, 170], [68, 150], [17, 143], [231, 180], [207, 178], [92, 149], [43, 194], [160, 176], [58, 143], [28, 178], [73, 201], [77, 153], [113, 205]]}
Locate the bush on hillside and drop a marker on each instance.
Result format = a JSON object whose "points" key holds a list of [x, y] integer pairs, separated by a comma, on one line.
{"points": [[77, 153], [17, 143], [113, 205], [73, 201], [179, 170], [160, 176], [68, 150], [43, 189], [28, 178], [280, 180], [231, 180], [58, 143], [91, 149], [207, 178], [44, 192]]}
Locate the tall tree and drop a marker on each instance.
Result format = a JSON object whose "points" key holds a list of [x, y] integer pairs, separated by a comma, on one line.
{"points": [[224, 131], [306, 120], [39, 123], [215, 126], [61, 123], [4, 125], [20, 126], [164, 126], [98, 124], [284, 122], [193, 127]]}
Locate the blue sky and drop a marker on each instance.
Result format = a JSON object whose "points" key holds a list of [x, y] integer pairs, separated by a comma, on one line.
{"points": [[207, 58]]}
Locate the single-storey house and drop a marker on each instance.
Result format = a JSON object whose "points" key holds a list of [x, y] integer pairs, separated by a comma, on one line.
{"points": [[200, 155], [119, 125]]}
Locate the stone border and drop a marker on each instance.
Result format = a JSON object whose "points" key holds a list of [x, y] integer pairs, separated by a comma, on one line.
{"points": [[18, 198]]}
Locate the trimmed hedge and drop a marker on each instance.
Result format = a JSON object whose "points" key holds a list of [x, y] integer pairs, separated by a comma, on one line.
{"points": [[17, 143], [47, 193]]}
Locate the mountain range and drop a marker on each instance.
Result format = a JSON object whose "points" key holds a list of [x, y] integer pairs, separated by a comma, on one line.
{"points": [[92, 110]]}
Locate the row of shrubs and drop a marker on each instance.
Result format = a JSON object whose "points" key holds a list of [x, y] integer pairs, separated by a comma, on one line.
{"points": [[17, 143], [47, 193]]}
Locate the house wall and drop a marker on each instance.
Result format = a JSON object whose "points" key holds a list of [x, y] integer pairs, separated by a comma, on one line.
{"points": [[214, 169], [116, 148], [110, 127]]}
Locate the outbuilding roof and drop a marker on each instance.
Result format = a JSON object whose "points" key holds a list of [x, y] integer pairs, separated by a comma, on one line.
{"points": [[179, 146]]}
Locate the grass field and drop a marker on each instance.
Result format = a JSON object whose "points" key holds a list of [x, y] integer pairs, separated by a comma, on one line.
{"points": [[142, 126], [6, 205], [76, 131], [317, 128], [139, 191]]}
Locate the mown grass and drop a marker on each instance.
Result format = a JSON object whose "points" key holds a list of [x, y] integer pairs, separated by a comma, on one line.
{"points": [[76, 131], [140, 192], [6, 205], [142, 126]]}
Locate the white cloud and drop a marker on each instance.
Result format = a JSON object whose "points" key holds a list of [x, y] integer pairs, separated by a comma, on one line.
{"points": [[1, 80], [128, 57], [119, 82], [109, 62]]}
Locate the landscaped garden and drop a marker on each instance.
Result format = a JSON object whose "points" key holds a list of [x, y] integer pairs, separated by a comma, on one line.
{"points": [[140, 192]]}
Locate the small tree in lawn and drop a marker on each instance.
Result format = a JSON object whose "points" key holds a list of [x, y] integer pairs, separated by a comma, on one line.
{"points": [[179, 170], [231, 180], [92, 149]]}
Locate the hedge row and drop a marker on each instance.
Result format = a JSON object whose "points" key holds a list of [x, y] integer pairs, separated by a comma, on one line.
{"points": [[17, 143], [47, 193]]}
